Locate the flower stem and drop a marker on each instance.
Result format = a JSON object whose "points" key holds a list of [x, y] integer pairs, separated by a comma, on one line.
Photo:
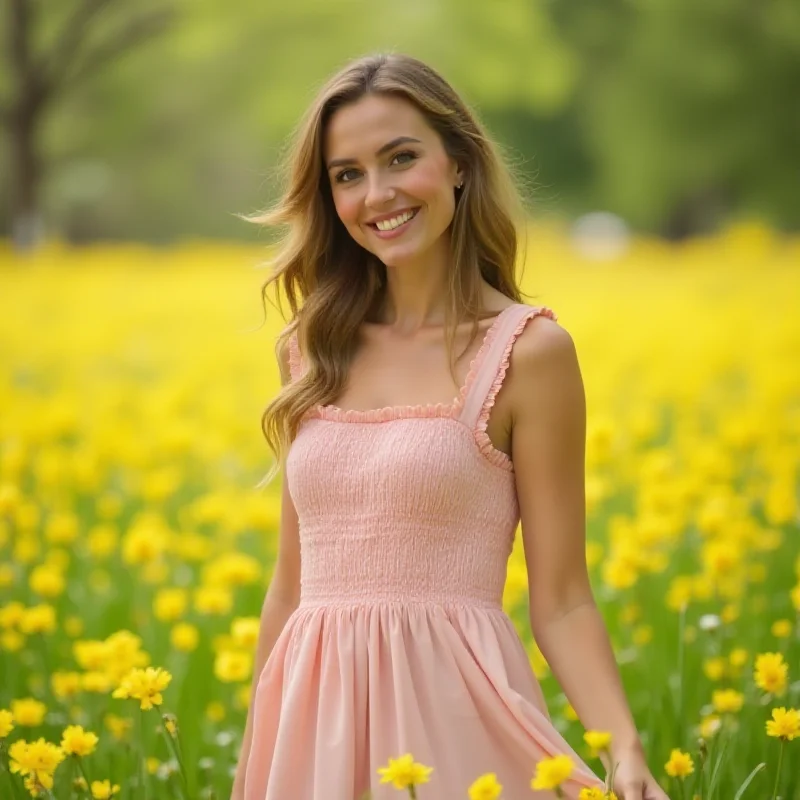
{"points": [[172, 744], [412, 791], [142, 765], [778, 771]]}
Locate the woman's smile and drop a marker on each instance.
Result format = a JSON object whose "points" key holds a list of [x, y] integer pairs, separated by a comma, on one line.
{"points": [[394, 226]]}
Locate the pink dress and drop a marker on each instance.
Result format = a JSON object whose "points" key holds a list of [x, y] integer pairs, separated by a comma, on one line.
{"points": [[400, 642]]}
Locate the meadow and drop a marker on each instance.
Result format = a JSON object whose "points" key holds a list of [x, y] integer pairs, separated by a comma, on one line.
{"points": [[133, 537]]}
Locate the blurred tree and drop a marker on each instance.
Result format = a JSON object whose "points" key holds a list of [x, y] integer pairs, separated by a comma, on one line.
{"points": [[690, 110], [81, 44]]}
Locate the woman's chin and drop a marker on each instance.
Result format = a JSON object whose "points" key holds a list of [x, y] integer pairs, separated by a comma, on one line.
{"points": [[398, 256]]}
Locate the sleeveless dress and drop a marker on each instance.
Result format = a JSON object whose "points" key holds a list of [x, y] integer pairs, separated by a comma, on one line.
{"points": [[400, 643]]}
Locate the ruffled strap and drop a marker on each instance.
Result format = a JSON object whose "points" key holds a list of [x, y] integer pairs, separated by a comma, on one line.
{"points": [[486, 377]]}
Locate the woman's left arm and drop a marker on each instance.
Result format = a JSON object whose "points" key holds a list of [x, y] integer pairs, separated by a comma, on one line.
{"points": [[548, 451]]}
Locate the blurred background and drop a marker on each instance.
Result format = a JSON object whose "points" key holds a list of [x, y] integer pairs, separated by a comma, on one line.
{"points": [[658, 144], [157, 120]]}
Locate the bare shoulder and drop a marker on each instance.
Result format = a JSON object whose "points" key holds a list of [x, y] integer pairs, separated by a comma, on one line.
{"points": [[543, 364]]}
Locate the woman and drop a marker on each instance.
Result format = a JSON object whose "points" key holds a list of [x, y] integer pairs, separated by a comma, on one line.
{"points": [[405, 483]]}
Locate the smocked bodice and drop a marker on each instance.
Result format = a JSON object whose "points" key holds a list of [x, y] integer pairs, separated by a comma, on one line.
{"points": [[408, 503]]}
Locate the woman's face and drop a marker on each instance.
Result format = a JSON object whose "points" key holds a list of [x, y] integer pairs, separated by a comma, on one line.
{"points": [[392, 182]]}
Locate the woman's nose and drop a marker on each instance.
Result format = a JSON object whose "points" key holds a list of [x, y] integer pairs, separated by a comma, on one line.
{"points": [[379, 192]]}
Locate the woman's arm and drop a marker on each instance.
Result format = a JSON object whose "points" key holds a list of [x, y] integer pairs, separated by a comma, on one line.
{"points": [[548, 451], [282, 598]]}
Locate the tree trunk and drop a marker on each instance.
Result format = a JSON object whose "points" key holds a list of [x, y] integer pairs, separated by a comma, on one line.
{"points": [[24, 116], [26, 218]]}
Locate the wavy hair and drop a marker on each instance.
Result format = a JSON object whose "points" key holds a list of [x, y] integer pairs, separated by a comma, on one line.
{"points": [[331, 283]]}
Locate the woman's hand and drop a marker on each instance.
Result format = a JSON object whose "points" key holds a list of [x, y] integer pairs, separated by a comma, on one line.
{"points": [[634, 781]]}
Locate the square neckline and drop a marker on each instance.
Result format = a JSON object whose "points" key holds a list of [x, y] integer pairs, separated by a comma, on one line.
{"points": [[451, 409]]}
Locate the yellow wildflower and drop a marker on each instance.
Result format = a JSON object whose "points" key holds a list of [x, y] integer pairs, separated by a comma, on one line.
{"points": [[598, 741], [485, 787], [552, 772], [784, 724], [782, 628], [6, 722], [103, 790], [170, 604], [403, 772], [78, 742], [233, 665], [38, 619], [28, 712], [680, 764], [184, 637], [245, 631], [36, 760], [771, 672], [47, 581], [144, 685], [727, 700], [118, 726], [215, 711]]}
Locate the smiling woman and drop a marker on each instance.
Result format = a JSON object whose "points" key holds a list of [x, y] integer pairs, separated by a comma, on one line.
{"points": [[394, 194], [383, 631]]}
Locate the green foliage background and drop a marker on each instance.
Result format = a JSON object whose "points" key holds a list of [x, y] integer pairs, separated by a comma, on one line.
{"points": [[677, 115]]}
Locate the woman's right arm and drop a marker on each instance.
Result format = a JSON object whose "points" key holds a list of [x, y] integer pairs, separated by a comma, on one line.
{"points": [[282, 598]]}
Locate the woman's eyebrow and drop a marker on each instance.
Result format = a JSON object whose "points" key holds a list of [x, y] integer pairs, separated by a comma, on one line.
{"points": [[341, 162]]}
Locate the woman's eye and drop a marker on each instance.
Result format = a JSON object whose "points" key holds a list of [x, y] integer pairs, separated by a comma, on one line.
{"points": [[341, 177], [407, 155]]}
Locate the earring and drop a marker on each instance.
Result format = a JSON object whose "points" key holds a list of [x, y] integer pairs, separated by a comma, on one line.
{"points": [[460, 184]]}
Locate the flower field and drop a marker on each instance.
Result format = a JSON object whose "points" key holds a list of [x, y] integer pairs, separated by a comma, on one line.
{"points": [[135, 548]]}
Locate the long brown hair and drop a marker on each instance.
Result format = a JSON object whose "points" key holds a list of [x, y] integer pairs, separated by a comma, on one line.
{"points": [[332, 283]]}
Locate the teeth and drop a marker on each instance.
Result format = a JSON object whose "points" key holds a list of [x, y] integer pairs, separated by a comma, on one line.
{"points": [[394, 222]]}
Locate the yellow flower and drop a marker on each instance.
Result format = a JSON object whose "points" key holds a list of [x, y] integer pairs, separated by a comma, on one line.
{"points": [[597, 741], [38, 619], [782, 628], [47, 581], [727, 700], [65, 684], [213, 600], [152, 765], [795, 595], [709, 726], [76, 741], [170, 724], [170, 604], [738, 657], [35, 760], [6, 722], [771, 672], [233, 665], [28, 712], [103, 790], [215, 711], [403, 772], [144, 685], [184, 637], [596, 794], [552, 772], [715, 668], [118, 726], [784, 724], [485, 788], [679, 765], [245, 631]]}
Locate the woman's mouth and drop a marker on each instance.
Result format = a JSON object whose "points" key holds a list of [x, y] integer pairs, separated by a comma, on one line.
{"points": [[394, 227]]}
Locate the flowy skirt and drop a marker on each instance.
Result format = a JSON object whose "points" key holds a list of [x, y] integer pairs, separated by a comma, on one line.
{"points": [[349, 686]]}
